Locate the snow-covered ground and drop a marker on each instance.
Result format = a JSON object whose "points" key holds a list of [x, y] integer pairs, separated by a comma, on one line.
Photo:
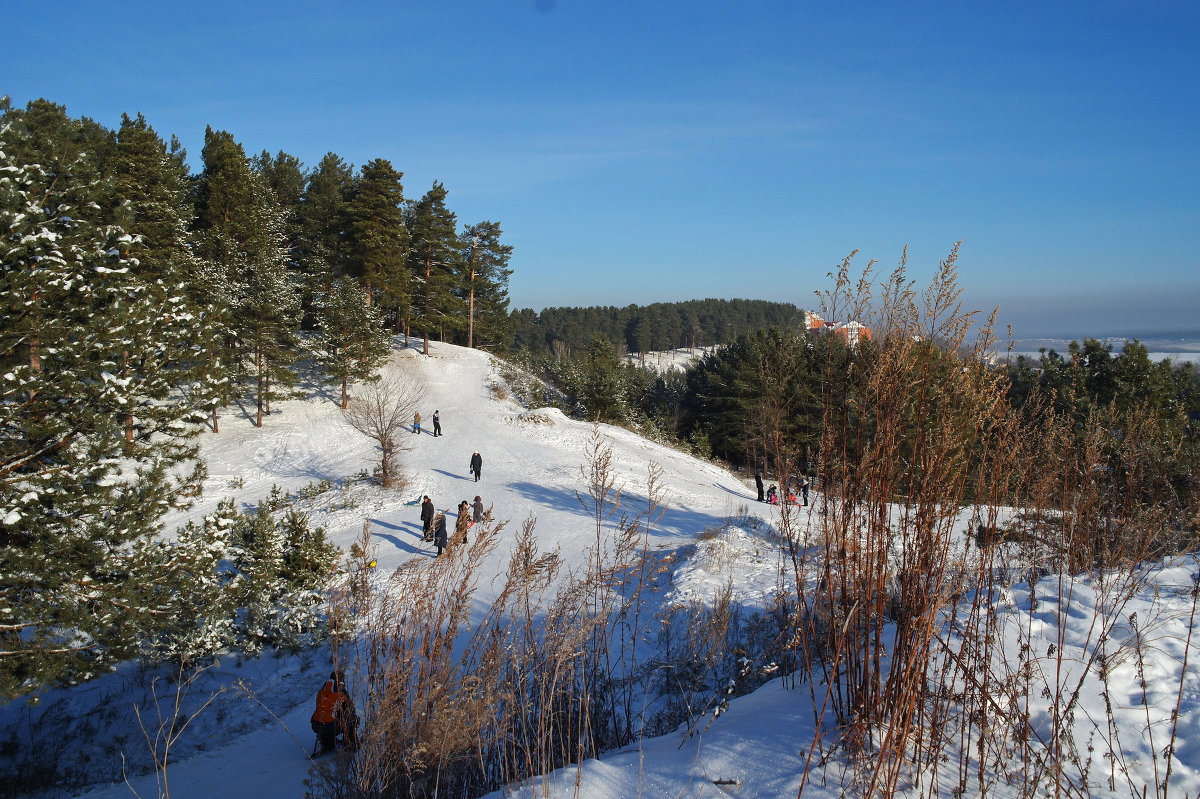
{"points": [[667, 360], [253, 742], [532, 466]]}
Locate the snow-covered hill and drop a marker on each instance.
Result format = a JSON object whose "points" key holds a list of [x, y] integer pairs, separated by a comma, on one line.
{"points": [[254, 744], [533, 464]]}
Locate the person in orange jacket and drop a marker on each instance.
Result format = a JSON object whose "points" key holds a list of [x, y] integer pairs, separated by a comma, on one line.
{"points": [[334, 716]]}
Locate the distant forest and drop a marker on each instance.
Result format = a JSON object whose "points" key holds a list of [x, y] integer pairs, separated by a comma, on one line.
{"points": [[645, 328]]}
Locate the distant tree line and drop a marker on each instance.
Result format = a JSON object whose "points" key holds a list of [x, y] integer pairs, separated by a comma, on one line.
{"points": [[646, 328], [774, 386]]}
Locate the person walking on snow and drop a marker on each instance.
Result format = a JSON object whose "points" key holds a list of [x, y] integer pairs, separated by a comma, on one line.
{"points": [[417, 423], [476, 465], [804, 484], [758, 483], [426, 517], [477, 510], [437, 424], [439, 532]]}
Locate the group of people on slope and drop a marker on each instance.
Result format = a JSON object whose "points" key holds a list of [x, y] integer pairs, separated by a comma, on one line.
{"points": [[771, 497], [434, 522]]}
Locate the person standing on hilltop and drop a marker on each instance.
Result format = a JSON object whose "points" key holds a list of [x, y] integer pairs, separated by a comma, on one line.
{"points": [[476, 465], [437, 424], [439, 532], [426, 517]]}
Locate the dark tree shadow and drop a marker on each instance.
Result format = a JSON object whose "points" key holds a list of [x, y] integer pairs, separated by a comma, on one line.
{"points": [[398, 542], [748, 497], [674, 520]]}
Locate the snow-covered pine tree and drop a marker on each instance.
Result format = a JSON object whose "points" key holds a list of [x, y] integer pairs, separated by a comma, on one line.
{"points": [[78, 152], [283, 566], [151, 186], [323, 222], [379, 240], [267, 321], [242, 581], [484, 285], [197, 605], [241, 233], [84, 341], [353, 342], [432, 256]]}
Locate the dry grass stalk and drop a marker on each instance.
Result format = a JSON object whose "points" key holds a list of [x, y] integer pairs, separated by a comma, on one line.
{"points": [[918, 435]]}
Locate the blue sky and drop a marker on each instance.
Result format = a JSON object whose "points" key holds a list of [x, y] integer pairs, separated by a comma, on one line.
{"points": [[644, 151]]}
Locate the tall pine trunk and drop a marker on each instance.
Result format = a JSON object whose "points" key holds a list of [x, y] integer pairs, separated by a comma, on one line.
{"points": [[258, 364], [428, 273], [471, 308], [129, 415]]}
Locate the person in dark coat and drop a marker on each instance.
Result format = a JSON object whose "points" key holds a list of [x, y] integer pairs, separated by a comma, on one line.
{"points": [[477, 510], [476, 465], [758, 483], [426, 517], [437, 424], [439, 532], [804, 485], [463, 522]]}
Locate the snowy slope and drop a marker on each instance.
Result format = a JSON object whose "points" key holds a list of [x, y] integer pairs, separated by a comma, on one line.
{"points": [[720, 536], [532, 465]]}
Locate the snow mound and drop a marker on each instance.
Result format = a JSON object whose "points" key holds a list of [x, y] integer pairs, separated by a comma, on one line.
{"points": [[742, 558], [547, 416]]}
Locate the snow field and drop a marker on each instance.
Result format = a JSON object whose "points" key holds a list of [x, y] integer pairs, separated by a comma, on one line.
{"points": [[710, 537]]}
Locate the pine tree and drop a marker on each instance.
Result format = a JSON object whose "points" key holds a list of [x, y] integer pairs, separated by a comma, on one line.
{"points": [[324, 221], [284, 175], [267, 320], [197, 603], [432, 257], [81, 501], [151, 185], [600, 387], [241, 233], [283, 565], [379, 239], [353, 342], [74, 154], [485, 276]]}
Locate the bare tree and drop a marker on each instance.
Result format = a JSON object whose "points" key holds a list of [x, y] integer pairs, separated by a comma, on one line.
{"points": [[380, 411]]}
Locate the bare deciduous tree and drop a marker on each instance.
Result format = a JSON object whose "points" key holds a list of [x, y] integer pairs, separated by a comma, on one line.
{"points": [[380, 411]]}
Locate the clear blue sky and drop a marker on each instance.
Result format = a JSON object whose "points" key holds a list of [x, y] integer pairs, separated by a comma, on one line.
{"points": [[642, 151]]}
